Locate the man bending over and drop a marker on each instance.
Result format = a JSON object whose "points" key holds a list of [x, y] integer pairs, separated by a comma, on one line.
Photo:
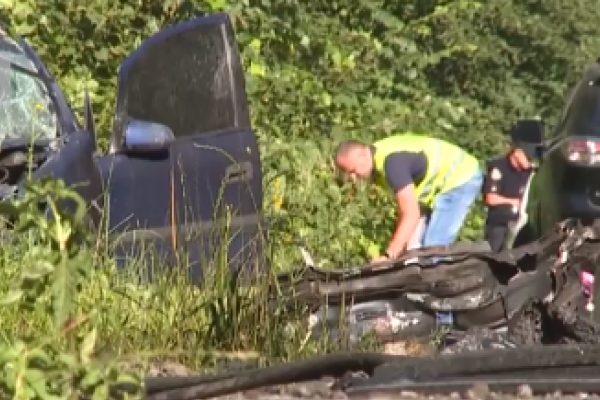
{"points": [[420, 171]]}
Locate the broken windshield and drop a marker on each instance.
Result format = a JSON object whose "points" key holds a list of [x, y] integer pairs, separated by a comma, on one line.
{"points": [[25, 106]]}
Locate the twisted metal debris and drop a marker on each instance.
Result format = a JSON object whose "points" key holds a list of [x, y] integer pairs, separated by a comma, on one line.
{"points": [[471, 288]]}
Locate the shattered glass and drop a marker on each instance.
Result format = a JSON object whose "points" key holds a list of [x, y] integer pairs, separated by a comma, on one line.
{"points": [[25, 106]]}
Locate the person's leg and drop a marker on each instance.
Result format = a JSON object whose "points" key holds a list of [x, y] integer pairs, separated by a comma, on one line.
{"points": [[495, 235], [450, 211]]}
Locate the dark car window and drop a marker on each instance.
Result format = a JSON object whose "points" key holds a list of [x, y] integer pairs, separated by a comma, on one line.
{"points": [[188, 82], [568, 108]]}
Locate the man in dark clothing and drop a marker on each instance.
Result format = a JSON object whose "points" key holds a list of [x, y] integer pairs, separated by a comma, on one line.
{"points": [[504, 186]]}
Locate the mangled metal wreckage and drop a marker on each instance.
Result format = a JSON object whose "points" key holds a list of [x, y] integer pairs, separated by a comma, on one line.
{"points": [[470, 287], [534, 293]]}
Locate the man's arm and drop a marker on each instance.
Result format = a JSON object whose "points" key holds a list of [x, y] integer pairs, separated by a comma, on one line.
{"points": [[493, 199], [399, 170], [409, 214]]}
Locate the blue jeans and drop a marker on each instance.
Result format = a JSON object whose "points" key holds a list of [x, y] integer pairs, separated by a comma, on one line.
{"points": [[450, 211]]}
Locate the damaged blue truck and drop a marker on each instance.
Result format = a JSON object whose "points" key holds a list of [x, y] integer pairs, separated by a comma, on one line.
{"points": [[182, 156]]}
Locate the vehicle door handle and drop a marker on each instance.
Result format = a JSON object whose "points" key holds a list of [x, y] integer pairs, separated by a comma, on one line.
{"points": [[241, 172]]}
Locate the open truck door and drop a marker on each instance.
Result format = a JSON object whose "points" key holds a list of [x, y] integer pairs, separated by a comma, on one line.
{"points": [[194, 199]]}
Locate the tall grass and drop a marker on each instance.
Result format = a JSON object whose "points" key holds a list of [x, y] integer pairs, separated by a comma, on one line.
{"points": [[167, 318]]}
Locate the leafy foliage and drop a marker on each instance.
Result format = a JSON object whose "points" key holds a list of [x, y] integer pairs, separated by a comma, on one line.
{"points": [[317, 71], [49, 280], [320, 71]]}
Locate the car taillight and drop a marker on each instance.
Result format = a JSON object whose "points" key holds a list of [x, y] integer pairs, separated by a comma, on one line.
{"points": [[582, 151]]}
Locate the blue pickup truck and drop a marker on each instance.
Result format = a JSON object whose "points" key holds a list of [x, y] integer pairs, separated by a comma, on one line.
{"points": [[183, 157]]}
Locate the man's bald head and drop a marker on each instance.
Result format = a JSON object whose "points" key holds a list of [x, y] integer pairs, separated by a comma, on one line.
{"points": [[345, 147], [354, 158]]}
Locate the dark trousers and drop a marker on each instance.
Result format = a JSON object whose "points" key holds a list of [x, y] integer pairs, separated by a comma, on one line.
{"points": [[495, 235]]}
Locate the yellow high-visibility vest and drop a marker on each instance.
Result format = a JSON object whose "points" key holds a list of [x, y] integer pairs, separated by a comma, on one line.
{"points": [[448, 166]]}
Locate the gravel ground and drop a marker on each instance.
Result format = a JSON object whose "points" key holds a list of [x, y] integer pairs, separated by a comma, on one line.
{"points": [[324, 389], [476, 339], [318, 390]]}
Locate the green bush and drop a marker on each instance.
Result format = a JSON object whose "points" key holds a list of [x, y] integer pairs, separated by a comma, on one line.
{"points": [[321, 71], [318, 71]]}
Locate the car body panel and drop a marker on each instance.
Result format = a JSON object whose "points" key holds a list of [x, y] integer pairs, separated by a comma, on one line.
{"points": [[560, 189], [69, 155], [74, 164], [213, 165]]}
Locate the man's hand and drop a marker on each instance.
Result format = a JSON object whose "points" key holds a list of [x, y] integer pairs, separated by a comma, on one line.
{"points": [[379, 259]]}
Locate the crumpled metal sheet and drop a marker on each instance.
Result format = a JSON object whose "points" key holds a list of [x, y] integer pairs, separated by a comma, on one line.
{"points": [[465, 287], [480, 339], [466, 301], [457, 273]]}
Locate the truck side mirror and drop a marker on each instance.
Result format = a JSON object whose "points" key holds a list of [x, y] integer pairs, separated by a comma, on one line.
{"points": [[145, 136]]}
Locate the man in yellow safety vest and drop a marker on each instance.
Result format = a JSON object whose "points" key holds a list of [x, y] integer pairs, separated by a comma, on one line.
{"points": [[422, 172]]}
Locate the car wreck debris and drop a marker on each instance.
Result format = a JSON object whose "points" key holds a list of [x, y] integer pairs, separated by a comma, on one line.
{"points": [[528, 292], [528, 333]]}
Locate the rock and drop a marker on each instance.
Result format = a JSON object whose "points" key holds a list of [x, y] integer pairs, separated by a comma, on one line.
{"points": [[169, 368], [408, 395], [479, 391], [525, 392]]}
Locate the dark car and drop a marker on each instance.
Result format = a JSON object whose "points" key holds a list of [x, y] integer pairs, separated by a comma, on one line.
{"points": [[567, 181], [182, 180]]}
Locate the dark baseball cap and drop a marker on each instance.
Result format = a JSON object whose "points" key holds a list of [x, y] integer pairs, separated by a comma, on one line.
{"points": [[528, 135]]}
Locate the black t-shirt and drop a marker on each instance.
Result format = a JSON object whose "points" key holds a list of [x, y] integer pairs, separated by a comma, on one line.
{"points": [[501, 178], [403, 168]]}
